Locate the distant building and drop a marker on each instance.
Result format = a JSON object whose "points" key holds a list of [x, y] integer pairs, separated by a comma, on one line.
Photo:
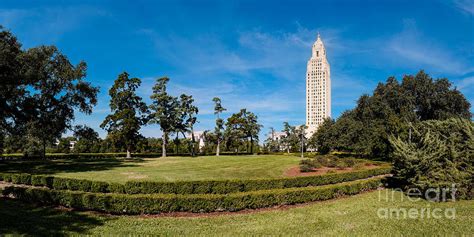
{"points": [[278, 136], [199, 136], [318, 87]]}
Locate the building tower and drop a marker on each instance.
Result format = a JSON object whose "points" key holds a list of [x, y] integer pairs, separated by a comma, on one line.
{"points": [[318, 87]]}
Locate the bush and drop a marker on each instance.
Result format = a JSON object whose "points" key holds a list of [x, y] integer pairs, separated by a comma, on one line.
{"points": [[157, 203], [191, 187], [330, 161], [306, 168], [440, 154]]}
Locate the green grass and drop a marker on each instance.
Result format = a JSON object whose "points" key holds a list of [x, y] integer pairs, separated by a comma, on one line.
{"points": [[356, 215], [161, 169]]}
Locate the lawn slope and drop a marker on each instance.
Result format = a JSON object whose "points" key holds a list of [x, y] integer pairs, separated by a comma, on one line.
{"points": [[355, 215]]}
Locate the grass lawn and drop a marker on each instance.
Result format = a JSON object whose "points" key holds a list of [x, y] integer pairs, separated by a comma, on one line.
{"points": [[355, 215], [161, 169]]}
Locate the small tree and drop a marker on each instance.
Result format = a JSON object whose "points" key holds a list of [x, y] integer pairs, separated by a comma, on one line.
{"points": [[244, 124], [291, 138], [301, 133], [87, 139], [251, 127], [440, 154], [322, 139], [165, 110], [271, 143], [128, 112], [218, 109]]}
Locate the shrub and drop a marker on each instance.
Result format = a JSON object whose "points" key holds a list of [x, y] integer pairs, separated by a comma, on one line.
{"points": [[340, 164], [350, 162], [193, 187], [306, 168], [157, 203], [359, 166], [440, 154]]}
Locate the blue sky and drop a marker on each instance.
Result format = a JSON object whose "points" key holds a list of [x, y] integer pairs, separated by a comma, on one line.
{"points": [[252, 54]]}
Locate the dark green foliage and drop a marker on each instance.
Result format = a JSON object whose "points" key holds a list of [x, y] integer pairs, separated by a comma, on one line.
{"points": [[157, 203], [88, 140], [40, 90], [323, 139], [129, 113], [189, 187], [165, 111], [242, 128], [389, 111], [330, 161], [440, 153]]}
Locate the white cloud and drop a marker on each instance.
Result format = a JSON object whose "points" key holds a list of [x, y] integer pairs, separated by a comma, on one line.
{"points": [[410, 46], [465, 83], [465, 5]]}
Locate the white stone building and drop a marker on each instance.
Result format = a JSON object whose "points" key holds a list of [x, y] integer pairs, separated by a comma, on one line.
{"points": [[199, 136], [318, 87]]}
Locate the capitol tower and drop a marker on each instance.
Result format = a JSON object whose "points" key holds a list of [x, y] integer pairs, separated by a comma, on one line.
{"points": [[318, 87]]}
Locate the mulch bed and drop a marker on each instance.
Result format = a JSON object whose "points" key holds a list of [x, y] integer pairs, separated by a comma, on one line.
{"points": [[296, 172]]}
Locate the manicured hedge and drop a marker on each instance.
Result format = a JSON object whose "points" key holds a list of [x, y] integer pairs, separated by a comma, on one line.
{"points": [[157, 203], [57, 156], [188, 187]]}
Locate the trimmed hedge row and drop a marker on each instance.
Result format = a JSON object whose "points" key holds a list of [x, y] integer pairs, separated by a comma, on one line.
{"points": [[56, 156], [188, 187], [157, 203]]}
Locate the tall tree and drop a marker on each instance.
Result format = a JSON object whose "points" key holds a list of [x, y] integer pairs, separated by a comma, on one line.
{"points": [[190, 111], [251, 127], [390, 110], [218, 109], [234, 132], [40, 90], [12, 83], [129, 112], [56, 88], [165, 110]]}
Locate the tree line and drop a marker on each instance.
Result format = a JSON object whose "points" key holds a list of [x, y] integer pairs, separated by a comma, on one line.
{"points": [[41, 90], [392, 110]]}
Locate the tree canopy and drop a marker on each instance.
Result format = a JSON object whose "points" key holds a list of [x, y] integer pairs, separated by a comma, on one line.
{"points": [[129, 112], [390, 110], [40, 90]]}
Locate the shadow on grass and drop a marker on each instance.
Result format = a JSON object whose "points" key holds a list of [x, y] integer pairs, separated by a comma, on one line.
{"points": [[19, 218], [65, 166]]}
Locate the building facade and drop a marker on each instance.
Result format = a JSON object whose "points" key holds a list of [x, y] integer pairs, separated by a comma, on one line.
{"points": [[318, 87]]}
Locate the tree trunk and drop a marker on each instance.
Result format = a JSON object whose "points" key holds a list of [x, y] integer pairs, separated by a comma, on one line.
{"points": [[128, 154], [218, 147], [177, 143], [44, 149], [192, 142], [163, 147], [251, 145]]}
